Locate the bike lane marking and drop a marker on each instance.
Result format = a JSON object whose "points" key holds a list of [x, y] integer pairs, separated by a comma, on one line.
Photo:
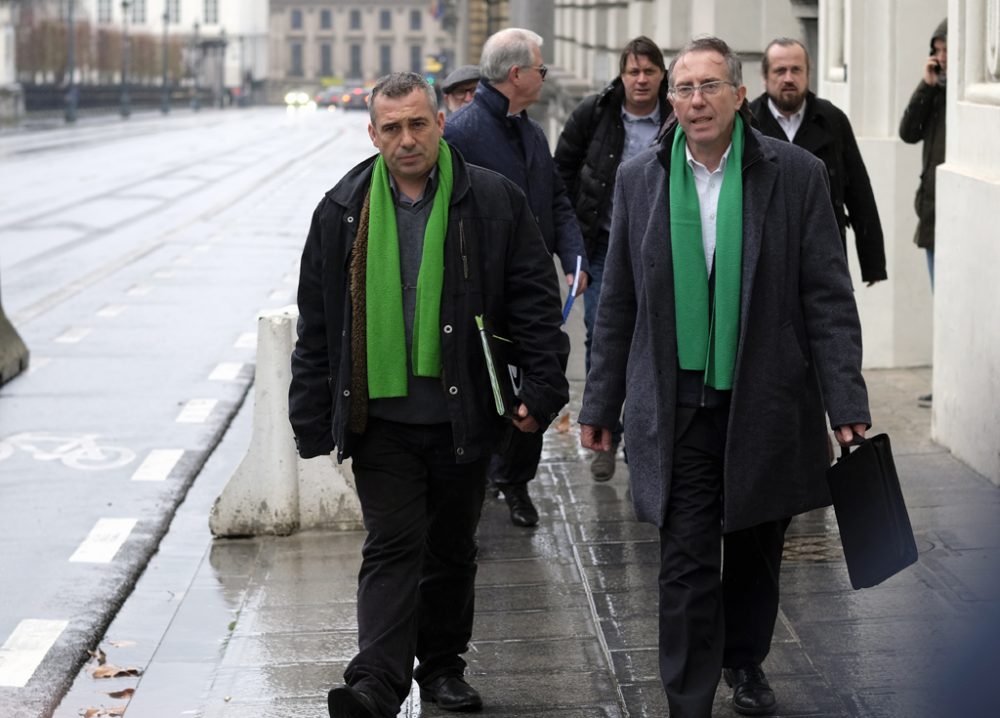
{"points": [[226, 371], [73, 335], [103, 541], [196, 411], [111, 310], [25, 649], [247, 340], [36, 363], [158, 465]]}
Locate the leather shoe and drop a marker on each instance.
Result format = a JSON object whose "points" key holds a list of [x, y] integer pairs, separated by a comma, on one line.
{"points": [[345, 702], [453, 694], [522, 511], [752, 696], [603, 466]]}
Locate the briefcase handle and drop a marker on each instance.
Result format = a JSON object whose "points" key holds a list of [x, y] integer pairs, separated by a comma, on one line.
{"points": [[845, 451]]}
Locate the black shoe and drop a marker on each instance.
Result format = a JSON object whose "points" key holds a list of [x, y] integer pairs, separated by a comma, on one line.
{"points": [[603, 466], [492, 488], [522, 511], [752, 696], [345, 702], [925, 401], [453, 694]]}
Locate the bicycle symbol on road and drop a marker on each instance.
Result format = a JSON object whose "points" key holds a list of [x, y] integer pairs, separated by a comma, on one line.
{"points": [[80, 451]]}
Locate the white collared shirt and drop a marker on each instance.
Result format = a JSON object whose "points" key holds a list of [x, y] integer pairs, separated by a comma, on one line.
{"points": [[791, 124], [708, 184]]}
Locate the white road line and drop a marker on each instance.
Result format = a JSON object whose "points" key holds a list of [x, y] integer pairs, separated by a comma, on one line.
{"points": [[158, 465], [196, 411], [111, 310], [140, 290], [226, 371], [36, 363], [103, 541], [26, 648], [73, 335], [247, 340]]}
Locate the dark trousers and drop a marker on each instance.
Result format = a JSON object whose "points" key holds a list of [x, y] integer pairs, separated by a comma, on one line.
{"points": [[517, 461], [708, 620], [416, 586]]}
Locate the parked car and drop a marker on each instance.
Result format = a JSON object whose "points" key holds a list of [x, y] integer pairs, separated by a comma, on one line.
{"points": [[329, 96], [354, 98]]}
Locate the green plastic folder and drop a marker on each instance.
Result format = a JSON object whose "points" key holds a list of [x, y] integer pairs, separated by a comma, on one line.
{"points": [[505, 376]]}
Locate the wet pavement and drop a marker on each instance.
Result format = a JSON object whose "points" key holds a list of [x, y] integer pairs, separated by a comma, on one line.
{"points": [[566, 620]]}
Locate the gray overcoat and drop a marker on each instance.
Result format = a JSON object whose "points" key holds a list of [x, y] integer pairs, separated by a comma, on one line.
{"points": [[799, 344]]}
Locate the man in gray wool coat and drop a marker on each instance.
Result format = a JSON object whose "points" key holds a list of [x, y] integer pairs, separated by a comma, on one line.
{"points": [[727, 318]]}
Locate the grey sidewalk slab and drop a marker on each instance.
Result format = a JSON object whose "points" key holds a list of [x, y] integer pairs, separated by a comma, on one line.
{"points": [[566, 622]]}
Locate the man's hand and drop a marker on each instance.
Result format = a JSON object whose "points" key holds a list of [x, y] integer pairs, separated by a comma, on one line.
{"points": [[525, 421], [595, 438], [932, 68], [584, 281], [845, 434]]}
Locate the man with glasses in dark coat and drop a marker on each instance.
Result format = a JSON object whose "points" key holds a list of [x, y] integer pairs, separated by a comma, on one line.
{"points": [[495, 132]]}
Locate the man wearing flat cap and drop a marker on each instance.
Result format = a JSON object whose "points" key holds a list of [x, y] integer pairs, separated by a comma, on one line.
{"points": [[460, 87]]}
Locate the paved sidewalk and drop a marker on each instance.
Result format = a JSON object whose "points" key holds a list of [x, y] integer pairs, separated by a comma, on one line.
{"points": [[566, 621]]}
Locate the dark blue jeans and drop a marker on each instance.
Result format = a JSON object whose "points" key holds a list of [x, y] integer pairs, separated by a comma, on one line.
{"points": [[590, 299], [416, 587]]}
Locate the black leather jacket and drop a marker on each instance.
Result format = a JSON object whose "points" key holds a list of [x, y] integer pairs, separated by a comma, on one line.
{"points": [[589, 151], [495, 263]]}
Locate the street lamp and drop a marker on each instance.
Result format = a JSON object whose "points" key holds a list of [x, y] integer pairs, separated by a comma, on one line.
{"points": [[126, 101], [71, 90], [165, 96], [195, 100]]}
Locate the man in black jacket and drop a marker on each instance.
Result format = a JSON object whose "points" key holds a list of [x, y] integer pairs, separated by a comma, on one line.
{"points": [[788, 110], [494, 131], [388, 369], [923, 121], [602, 132]]}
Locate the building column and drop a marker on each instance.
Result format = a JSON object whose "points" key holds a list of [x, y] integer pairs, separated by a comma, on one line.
{"points": [[966, 411], [11, 96]]}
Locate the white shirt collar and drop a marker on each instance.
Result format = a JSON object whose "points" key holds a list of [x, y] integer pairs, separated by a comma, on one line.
{"points": [[789, 124]]}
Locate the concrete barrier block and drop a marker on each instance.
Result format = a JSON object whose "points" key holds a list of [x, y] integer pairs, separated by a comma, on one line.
{"points": [[273, 491], [13, 352]]}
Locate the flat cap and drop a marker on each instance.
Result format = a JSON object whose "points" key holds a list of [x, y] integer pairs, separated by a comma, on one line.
{"points": [[456, 77]]}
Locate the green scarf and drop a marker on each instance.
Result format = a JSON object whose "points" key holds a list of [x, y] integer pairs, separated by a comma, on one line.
{"points": [[707, 335], [386, 331]]}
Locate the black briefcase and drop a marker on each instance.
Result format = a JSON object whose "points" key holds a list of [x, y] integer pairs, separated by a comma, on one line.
{"points": [[874, 525]]}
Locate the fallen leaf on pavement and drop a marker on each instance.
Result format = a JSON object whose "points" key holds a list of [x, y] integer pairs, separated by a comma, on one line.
{"points": [[111, 671], [563, 425], [124, 693], [122, 644]]}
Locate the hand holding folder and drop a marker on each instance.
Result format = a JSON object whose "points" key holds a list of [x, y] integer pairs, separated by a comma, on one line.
{"points": [[505, 375]]}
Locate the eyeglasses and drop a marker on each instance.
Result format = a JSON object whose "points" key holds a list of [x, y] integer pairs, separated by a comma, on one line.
{"points": [[542, 70], [707, 89]]}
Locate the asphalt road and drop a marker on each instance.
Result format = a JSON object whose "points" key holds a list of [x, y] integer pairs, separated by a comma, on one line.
{"points": [[134, 257]]}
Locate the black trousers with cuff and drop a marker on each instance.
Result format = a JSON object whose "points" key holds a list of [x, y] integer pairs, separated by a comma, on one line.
{"points": [[718, 594], [416, 587]]}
